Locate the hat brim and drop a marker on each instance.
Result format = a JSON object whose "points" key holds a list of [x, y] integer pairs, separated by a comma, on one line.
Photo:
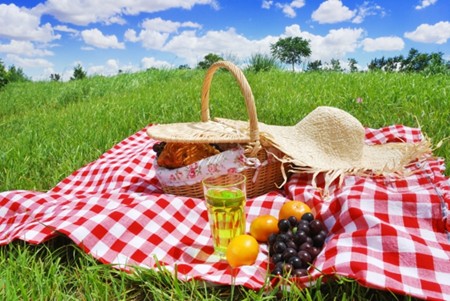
{"points": [[307, 155], [197, 132]]}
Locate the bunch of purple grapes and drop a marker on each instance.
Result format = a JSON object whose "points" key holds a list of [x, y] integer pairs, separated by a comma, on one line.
{"points": [[293, 249]]}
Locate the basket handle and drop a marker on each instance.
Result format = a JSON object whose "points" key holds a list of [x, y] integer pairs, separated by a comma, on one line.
{"points": [[245, 90]]}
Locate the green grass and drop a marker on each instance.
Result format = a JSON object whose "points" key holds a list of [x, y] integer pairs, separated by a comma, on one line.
{"points": [[50, 129]]}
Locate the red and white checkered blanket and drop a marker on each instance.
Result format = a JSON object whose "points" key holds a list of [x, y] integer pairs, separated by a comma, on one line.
{"points": [[386, 233]]}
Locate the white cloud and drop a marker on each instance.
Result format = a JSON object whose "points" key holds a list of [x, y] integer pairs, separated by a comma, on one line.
{"points": [[383, 43], [266, 4], [168, 26], [110, 68], [425, 3], [438, 33], [332, 11], [150, 62], [191, 47], [288, 11], [23, 24], [29, 62], [298, 3], [83, 12], [334, 45], [287, 8], [367, 9], [131, 35], [24, 48], [150, 39], [96, 38], [64, 28], [135, 7], [155, 32], [113, 67]]}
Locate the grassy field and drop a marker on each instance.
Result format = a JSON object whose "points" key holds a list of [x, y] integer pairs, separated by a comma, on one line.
{"points": [[50, 129]]}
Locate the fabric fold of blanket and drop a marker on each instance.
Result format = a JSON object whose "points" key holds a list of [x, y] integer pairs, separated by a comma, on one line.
{"points": [[386, 232]]}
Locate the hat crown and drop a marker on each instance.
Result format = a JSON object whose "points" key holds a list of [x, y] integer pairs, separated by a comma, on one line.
{"points": [[334, 133]]}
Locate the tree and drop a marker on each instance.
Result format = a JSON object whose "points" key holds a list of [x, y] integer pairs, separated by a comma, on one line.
{"points": [[416, 61], [209, 59], [16, 75], [3, 75], [78, 73], [437, 64], [314, 66], [352, 65], [336, 65], [55, 77], [290, 50]]}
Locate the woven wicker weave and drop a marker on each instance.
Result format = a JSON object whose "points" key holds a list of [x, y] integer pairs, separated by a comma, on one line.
{"points": [[260, 180]]}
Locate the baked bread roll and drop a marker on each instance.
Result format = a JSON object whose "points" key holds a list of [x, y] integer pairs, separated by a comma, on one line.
{"points": [[175, 155]]}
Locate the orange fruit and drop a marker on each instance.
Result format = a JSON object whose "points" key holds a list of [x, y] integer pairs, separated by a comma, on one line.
{"points": [[242, 250], [262, 226], [293, 208]]}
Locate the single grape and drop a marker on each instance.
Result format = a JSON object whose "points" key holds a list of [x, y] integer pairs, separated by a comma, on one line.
{"points": [[288, 253], [304, 256], [300, 237], [319, 240], [293, 221], [279, 247], [308, 216], [316, 226], [296, 262], [284, 225]]}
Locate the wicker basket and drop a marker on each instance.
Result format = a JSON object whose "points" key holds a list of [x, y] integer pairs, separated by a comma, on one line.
{"points": [[259, 180]]}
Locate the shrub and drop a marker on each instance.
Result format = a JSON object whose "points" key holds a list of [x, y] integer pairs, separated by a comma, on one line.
{"points": [[262, 62]]}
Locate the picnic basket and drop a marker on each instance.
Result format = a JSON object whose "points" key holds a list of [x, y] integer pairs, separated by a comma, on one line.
{"points": [[261, 179]]}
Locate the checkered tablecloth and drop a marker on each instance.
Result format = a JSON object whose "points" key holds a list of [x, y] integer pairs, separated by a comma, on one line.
{"points": [[387, 233]]}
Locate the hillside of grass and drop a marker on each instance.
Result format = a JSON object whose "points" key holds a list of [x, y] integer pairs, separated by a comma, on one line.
{"points": [[50, 129]]}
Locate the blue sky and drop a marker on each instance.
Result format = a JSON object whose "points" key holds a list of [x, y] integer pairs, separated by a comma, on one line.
{"points": [[105, 36]]}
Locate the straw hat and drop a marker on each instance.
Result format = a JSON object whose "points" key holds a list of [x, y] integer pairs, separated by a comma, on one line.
{"points": [[327, 140]]}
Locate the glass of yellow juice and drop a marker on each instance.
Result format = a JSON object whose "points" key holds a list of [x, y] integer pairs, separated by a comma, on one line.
{"points": [[225, 198]]}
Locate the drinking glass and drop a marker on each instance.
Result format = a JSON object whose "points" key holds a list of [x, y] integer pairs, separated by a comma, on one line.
{"points": [[225, 198]]}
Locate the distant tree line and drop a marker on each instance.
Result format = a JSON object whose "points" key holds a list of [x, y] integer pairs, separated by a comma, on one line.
{"points": [[294, 50], [11, 74], [415, 61], [290, 51]]}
